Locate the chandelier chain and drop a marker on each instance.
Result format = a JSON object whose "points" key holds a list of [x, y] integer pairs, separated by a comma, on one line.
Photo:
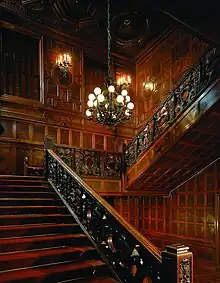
{"points": [[109, 37], [111, 106]]}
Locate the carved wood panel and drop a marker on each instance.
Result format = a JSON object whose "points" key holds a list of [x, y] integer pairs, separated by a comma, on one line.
{"points": [[20, 65], [94, 76], [165, 64], [62, 92], [189, 217], [24, 135]]}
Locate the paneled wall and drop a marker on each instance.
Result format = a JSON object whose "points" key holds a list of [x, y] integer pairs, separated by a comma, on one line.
{"points": [[189, 216], [20, 64], [164, 62], [37, 101]]}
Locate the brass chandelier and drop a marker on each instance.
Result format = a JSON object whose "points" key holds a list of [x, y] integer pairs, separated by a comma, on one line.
{"points": [[112, 105]]}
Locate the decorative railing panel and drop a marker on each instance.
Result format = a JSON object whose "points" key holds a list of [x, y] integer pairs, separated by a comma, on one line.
{"points": [[91, 162], [131, 256], [183, 95]]}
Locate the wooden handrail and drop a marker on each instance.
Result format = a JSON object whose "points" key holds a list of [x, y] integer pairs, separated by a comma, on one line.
{"points": [[140, 238]]}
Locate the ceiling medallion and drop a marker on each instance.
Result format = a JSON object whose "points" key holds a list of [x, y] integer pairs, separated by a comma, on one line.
{"points": [[111, 106]]}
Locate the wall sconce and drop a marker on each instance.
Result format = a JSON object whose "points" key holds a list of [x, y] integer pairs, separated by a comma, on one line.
{"points": [[123, 80], [64, 62], [149, 85]]}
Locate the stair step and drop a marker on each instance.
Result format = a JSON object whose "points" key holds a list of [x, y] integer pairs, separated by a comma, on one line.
{"points": [[24, 259], [19, 194], [9, 210], [29, 201], [21, 177], [99, 280], [55, 272], [23, 187], [91, 280], [41, 241], [8, 220], [26, 188], [37, 229], [19, 183]]}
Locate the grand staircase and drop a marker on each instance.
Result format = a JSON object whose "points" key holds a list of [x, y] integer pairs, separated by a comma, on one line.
{"points": [[40, 241]]}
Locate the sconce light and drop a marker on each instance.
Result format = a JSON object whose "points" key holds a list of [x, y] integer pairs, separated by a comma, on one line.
{"points": [[63, 62], [124, 81], [149, 85]]}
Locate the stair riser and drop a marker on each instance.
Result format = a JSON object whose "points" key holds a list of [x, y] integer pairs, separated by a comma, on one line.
{"points": [[21, 182], [62, 276], [39, 231], [29, 202], [35, 220], [43, 244], [5, 194], [29, 210], [73, 256], [26, 188]]}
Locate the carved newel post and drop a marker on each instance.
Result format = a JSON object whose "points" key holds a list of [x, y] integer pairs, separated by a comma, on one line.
{"points": [[48, 144], [177, 264]]}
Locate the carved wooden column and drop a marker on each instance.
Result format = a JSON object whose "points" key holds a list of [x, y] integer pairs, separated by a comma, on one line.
{"points": [[177, 264]]}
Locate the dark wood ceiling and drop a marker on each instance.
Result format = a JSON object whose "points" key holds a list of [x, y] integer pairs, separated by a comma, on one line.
{"points": [[134, 23]]}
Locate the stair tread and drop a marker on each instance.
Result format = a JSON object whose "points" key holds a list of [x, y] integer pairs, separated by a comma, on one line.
{"points": [[22, 181], [26, 192], [33, 215], [31, 206], [52, 199], [40, 253], [44, 271], [39, 238], [100, 279], [20, 177], [22, 186], [39, 226]]}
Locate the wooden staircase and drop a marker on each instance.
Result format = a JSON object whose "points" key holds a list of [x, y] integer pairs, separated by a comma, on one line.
{"points": [[39, 239]]}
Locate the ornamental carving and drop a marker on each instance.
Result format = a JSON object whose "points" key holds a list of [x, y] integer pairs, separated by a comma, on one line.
{"points": [[185, 270], [91, 162]]}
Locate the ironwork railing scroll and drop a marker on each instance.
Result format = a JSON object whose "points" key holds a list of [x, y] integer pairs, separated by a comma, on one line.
{"points": [[182, 96], [131, 256], [91, 162]]}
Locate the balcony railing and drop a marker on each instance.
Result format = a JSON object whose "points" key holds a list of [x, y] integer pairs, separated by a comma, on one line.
{"points": [[191, 86], [90, 162]]}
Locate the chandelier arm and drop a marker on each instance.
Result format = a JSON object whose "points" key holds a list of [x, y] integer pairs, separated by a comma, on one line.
{"points": [[109, 38]]}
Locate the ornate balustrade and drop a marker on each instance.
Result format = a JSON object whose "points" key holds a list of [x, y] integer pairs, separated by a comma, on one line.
{"points": [[129, 254], [183, 95], [91, 162]]}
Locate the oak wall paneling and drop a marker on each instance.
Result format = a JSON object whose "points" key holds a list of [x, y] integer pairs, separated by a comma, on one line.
{"points": [[165, 62], [59, 110], [20, 64], [189, 216]]}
